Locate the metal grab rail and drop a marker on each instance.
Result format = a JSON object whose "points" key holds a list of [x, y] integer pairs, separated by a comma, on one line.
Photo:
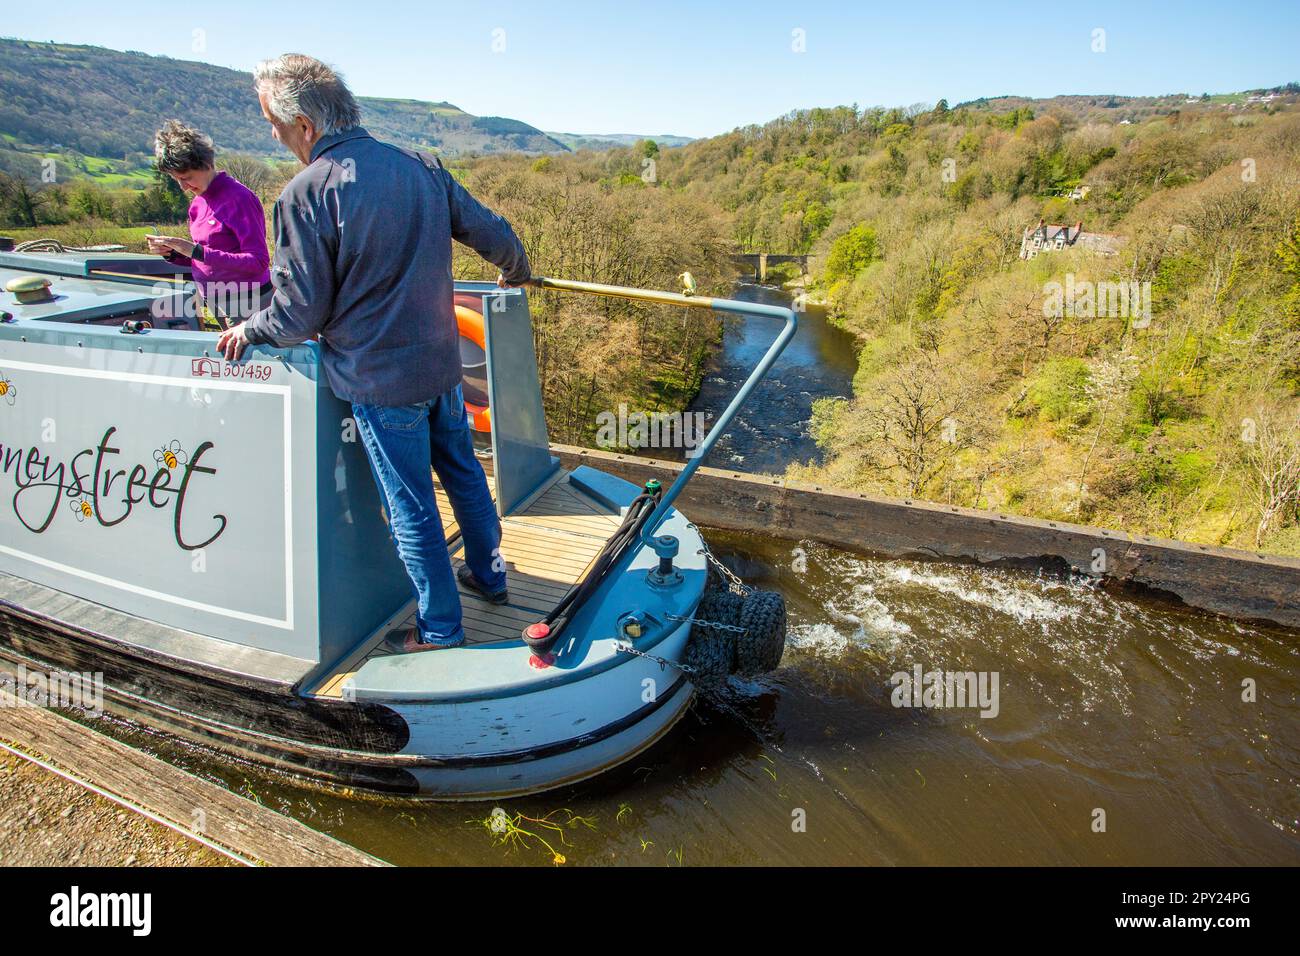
{"points": [[742, 395]]}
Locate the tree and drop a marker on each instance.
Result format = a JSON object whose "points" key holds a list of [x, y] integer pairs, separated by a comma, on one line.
{"points": [[251, 171], [1287, 256], [851, 253], [88, 201], [20, 200], [162, 201], [910, 425], [1273, 459]]}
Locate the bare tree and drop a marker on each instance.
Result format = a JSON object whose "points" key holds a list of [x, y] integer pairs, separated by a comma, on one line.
{"points": [[916, 421], [1272, 455], [254, 173]]}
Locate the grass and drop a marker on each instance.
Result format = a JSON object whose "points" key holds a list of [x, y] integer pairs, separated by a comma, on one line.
{"points": [[71, 165], [103, 171], [93, 234], [524, 832]]}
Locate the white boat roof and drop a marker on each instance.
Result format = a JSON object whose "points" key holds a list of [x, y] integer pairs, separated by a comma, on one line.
{"points": [[78, 294]]}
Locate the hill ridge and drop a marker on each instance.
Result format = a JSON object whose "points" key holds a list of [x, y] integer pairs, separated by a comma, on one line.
{"points": [[61, 96]]}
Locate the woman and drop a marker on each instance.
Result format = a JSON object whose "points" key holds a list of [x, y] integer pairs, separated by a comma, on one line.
{"points": [[227, 250]]}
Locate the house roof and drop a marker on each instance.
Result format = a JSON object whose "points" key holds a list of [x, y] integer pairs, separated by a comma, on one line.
{"points": [[1049, 231]]}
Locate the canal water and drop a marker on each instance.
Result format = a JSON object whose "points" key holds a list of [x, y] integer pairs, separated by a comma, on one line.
{"points": [[1106, 704], [771, 431], [1124, 730]]}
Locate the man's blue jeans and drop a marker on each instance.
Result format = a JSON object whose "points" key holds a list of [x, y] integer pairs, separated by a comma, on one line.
{"points": [[402, 442]]}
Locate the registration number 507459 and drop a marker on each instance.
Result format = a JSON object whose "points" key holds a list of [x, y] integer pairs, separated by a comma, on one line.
{"points": [[249, 371]]}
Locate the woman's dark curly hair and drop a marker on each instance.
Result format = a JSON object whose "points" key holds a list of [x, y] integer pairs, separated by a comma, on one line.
{"points": [[181, 148]]}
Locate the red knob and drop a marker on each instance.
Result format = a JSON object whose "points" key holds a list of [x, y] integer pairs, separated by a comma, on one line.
{"points": [[541, 663]]}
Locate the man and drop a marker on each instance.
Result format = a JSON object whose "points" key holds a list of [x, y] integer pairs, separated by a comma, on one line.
{"points": [[363, 258]]}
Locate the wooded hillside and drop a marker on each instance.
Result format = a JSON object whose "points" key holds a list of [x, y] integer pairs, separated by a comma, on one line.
{"points": [[105, 103]]}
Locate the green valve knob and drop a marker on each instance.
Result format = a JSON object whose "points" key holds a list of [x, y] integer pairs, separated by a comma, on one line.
{"points": [[652, 486]]}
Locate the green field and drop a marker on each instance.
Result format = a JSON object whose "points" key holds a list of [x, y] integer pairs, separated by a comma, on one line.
{"points": [[70, 165], [108, 172], [94, 234]]}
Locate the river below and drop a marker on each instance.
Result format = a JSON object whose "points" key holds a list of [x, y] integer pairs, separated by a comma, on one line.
{"points": [[771, 431]]}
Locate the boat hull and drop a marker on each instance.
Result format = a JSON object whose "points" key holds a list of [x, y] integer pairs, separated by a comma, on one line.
{"points": [[394, 748], [207, 540]]}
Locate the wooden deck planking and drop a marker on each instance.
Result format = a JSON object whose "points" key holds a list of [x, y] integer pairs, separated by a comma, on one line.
{"points": [[546, 547], [334, 686], [561, 508]]}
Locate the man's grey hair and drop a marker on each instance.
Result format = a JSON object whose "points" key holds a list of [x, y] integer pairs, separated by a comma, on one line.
{"points": [[180, 148], [298, 85]]}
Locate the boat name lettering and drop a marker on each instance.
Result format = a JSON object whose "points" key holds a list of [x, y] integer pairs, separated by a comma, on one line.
{"points": [[89, 488]]}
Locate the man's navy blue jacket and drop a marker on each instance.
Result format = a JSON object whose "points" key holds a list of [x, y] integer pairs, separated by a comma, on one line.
{"points": [[363, 257]]}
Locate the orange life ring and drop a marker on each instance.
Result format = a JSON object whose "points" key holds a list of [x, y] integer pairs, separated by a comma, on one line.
{"points": [[470, 326]]}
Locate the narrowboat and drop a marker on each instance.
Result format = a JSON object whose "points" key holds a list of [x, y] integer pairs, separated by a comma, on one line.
{"points": [[207, 538]]}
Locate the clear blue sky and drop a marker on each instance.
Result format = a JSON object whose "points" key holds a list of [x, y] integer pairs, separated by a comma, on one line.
{"points": [[698, 69]]}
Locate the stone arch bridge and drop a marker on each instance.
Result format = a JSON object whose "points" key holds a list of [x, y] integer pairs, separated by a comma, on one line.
{"points": [[758, 262]]}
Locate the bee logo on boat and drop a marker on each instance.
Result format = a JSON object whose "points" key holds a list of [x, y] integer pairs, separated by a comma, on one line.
{"points": [[82, 509], [170, 455], [8, 390]]}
